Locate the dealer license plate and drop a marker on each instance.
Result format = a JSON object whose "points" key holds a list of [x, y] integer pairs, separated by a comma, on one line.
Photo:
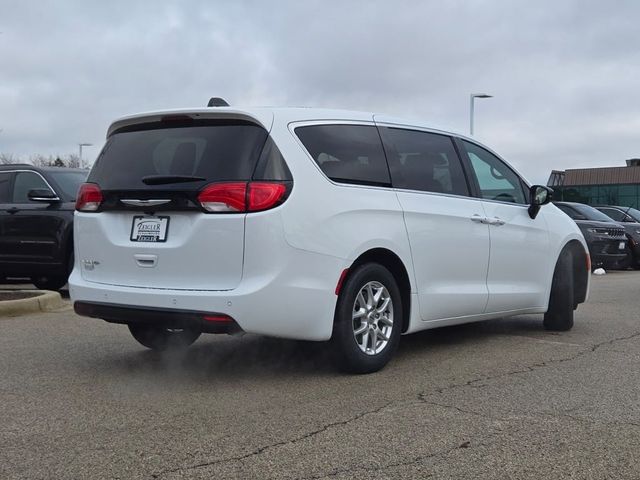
{"points": [[621, 246], [149, 229]]}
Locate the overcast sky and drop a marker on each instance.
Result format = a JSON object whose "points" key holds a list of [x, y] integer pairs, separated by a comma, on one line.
{"points": [[565, 75]]}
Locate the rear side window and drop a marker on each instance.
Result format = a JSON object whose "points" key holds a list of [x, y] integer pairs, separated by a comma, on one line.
{"points": [[347, 153], [271, 164], [424, 161], [210, 150]]}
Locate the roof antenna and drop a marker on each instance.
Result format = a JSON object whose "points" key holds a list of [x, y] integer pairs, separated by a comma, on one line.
{"points": [[217, 102]]}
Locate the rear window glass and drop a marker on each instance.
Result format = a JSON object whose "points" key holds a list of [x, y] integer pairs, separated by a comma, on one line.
{"points": [[213, 150], [347, 153]]}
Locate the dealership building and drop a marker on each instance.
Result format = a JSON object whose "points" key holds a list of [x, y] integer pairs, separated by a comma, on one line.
{"points": [[599, 186]]}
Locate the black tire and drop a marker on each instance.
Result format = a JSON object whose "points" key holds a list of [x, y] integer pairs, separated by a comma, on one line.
{"points": [[160, 339], [348, 354], [559, 316], [53, 282]]}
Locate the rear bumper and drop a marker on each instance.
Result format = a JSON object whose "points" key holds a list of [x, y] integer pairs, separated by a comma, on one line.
{"points": [[206, 322], [295, 301]]}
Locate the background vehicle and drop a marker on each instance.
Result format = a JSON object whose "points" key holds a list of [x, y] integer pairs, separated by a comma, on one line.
{"points": [[629, 218], [36, 223], [606, 238], [314, 225], [620, 214]]}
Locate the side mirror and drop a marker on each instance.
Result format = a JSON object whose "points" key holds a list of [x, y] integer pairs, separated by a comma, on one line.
{"points": [[42, 195], [538, 195]]}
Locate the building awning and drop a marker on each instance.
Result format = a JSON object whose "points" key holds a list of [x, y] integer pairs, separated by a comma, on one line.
{"points": [[601, 176]]}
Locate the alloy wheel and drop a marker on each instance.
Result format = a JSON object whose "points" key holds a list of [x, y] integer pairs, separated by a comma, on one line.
{"points": [[372, 318]]}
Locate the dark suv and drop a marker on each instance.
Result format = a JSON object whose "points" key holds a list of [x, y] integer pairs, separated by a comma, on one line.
{"points": [[629, 218], [36, 223], [606, 239]]}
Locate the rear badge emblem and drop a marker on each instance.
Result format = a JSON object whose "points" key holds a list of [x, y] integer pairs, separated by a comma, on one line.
{"points": [[90, 264]]}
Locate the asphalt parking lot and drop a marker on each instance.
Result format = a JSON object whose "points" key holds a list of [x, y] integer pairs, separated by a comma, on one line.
{"points": [[500, 399]]}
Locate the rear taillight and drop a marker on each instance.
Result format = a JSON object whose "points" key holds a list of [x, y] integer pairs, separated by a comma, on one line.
{"points": [[224, 197], [265, 195], [242, 197], [89, 198]]}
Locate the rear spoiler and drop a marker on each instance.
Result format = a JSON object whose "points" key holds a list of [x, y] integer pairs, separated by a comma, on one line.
{"points": [[262, 117]]}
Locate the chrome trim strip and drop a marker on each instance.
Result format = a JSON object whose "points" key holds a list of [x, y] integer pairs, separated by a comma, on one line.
{"points": [[152, 202]]}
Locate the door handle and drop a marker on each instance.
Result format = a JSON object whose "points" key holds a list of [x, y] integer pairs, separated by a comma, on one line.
{"points": [[146, 261], [12, 210], [486, 220], [495, 221]]}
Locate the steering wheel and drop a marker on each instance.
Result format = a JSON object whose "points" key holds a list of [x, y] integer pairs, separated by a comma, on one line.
{"points": [[505, 197]]}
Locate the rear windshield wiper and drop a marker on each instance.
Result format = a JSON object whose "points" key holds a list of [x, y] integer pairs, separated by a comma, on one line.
{"points": [[165, 179]]}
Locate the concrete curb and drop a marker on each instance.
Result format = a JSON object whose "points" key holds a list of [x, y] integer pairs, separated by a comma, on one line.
{"points": [[44, 302]]}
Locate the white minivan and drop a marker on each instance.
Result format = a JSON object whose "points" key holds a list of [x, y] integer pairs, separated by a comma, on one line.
{"points": [[315, 225]]}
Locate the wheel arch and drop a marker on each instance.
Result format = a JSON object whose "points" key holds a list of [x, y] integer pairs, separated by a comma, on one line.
{"points": [[396, 266], [580, 261]]}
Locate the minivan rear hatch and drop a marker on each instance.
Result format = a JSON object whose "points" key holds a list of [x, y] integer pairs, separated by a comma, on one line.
{"points": [[150, 229]]}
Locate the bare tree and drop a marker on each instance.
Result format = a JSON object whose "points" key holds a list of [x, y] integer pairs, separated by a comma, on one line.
{"points": [[72, 160], [39, 160], [7, 158]]}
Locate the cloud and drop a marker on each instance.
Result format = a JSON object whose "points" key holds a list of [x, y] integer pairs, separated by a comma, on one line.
{"points": [[563, 74]]}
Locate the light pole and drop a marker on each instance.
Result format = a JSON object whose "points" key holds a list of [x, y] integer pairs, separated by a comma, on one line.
{"points": [[473, 97], [80, 145]]}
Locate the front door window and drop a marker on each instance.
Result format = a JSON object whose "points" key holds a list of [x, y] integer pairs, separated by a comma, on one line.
{"points": [[24, 182], [495, 179]]}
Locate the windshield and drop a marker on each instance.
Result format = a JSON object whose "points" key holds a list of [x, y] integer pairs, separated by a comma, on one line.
{"points": [[69, 182], [591, 213], [633, 213]]}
